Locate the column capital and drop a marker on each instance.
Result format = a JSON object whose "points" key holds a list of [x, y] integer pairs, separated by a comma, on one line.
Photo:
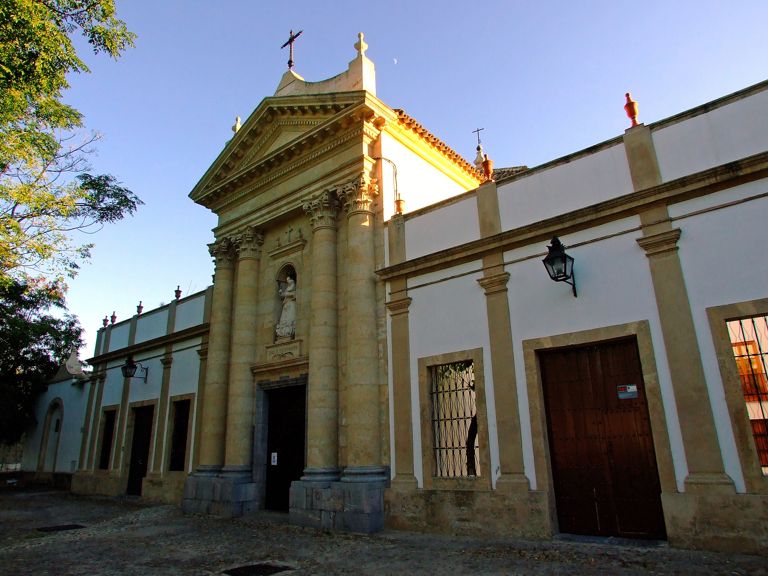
{"points": [[660, 243], [166, 361], [248, 243], [358, 194], [399, 306], [495, 283], [222, 252], [322, 210]]}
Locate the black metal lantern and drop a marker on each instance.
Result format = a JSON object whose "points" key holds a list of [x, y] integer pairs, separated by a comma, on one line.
{"points": [[129, 369], [559, 265]]}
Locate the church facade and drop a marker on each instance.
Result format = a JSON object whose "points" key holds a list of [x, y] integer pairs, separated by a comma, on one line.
{"points": [[382, 345]]}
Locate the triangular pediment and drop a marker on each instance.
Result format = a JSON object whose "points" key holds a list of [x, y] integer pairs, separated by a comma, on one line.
{"points": [[279, 126]]}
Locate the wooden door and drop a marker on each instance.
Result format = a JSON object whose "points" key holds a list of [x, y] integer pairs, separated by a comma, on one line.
{"points": [[285, 443], [142, 434], [604, 470]]}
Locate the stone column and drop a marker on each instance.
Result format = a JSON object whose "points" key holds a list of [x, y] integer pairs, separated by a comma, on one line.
{"points": [[239, 439], [364, 441], [199, 489], [215, 394], [323, 392]]}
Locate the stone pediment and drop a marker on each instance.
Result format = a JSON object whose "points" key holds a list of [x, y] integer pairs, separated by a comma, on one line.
{"points": [[279, 129]]}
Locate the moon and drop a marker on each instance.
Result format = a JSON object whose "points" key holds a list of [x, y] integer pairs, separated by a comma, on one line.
{"points": [[394, 60]]}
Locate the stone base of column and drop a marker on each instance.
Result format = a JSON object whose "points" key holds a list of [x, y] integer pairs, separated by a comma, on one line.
{"points": [[230, 493], [354, 503]]}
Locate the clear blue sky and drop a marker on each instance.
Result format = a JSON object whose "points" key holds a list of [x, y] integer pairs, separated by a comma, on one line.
{"points": [[544, 79]]}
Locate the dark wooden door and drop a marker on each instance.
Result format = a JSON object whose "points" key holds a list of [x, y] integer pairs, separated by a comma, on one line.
{"points": [[285, 443], [142, 435], [603, 461]]}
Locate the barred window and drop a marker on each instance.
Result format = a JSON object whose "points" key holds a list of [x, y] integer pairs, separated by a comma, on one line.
{"points": [[454, 420], [749, 341]]}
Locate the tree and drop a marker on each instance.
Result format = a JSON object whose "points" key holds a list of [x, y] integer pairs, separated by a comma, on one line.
{"points": [[33, 344], [46, 190]]}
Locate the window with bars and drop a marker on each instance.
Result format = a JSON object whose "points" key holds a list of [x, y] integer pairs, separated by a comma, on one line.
{"points": [[454, 420], [749, 342]]}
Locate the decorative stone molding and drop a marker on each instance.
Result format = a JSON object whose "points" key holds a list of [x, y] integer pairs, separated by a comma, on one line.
{"points": [[660, 243], [358, 194], [322, 210], [495, 283], [400, 306], [222, 251], [249, 243], [284, 351], [202, 352], [166, 361]]}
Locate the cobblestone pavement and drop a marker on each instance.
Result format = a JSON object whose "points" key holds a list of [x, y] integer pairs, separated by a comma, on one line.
{"points": [[127, 537]]}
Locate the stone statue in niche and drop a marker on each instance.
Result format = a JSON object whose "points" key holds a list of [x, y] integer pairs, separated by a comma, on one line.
{"points": [[286, 327]]}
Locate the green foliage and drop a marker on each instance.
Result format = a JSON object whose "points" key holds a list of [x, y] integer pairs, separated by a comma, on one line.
{"points": [[34, 342], [46, 191]]}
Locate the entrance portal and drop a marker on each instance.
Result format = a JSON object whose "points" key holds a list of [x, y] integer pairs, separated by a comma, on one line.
{"points": [[142, 434], [603, 460], [285, 443]]}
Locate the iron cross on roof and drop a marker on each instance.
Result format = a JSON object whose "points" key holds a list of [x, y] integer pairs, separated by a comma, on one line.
{"points": [[291, 39], [478, 134]]}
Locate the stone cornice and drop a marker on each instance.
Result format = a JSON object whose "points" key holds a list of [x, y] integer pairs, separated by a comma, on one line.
{"points": [[660, 243], [400, 306], [693, 186], [133, 349]]}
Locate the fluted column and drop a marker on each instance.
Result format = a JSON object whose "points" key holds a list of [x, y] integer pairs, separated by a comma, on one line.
{"points": [[323, 389], [364, 440], [214, 401], [239, 439]]}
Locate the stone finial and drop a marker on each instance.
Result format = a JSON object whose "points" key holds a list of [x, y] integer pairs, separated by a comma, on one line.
{"points": [[360, 45], [105, 322], [487, 168], [631, 109], [479, 158], [177, 292], [236, 125], [113, 318], [139, 308]]}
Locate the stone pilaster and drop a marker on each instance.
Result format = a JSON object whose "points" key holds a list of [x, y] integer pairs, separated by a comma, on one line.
{"points": [[157, 468], [323, 393]]}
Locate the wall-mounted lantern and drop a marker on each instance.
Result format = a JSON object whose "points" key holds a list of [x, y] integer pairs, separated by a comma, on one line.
{"points": [[559, 265], [129, 369]]}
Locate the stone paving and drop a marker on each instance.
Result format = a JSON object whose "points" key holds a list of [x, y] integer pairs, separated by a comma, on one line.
{"points": [[123, 536]]}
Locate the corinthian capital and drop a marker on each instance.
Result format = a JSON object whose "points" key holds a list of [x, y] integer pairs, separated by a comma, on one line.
{"points": [[249, 242], [358, 194], [222, 252], [322, 210]]}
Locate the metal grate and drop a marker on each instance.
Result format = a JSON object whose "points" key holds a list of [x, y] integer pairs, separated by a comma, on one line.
{"points": [[454, 420], [749, 340]]}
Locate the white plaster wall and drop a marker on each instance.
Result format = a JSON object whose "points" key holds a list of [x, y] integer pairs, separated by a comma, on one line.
{"points": [[450, 317], [565, 187], [119, 336], [419, 182], [113, 385], [150, 390], [723, 263], [152, 325], [725, 134], [190, 312], [74, 399], [440, 229], [185, 369]]}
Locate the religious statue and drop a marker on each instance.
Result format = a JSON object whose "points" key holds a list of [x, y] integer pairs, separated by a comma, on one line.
{"points": [[286, 327]]}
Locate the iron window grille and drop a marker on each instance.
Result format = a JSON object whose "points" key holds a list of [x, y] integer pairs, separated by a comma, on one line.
{"points": [[749, 341], [454, 420]]}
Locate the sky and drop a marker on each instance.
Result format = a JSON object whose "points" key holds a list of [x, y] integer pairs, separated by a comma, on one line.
{"points": [[543, 79]]}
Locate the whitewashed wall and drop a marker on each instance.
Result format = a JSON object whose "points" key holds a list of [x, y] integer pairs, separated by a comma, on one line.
{"points": [[566, 186], [119, 335], [419, 182], [74, 398], [185, 370], [437, 230], [725, 134], [450, 317], [190, 311], [151, 325], [141, 391]]}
